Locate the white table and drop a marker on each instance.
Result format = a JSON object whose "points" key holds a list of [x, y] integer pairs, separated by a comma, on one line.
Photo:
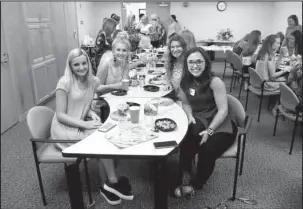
{"points": [[216, 48], [97, 146], [139, 92]]}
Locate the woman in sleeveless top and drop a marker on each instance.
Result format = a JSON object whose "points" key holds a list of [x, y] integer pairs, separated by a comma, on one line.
{"points": [[174, 61], [266, 64], [210, 132]]}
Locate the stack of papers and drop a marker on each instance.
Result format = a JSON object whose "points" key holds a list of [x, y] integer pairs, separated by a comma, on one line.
{"points": [[130, 137]]}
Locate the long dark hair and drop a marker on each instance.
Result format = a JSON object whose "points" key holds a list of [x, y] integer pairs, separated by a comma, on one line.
{"points": [[298, 41], [174, 17], [205, 77], [267, 46], [295, 18], [253, 41], [170, 58]]}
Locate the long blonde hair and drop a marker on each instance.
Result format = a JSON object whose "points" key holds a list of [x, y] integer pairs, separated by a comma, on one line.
{"points": [[70, 75], [189, 38]]}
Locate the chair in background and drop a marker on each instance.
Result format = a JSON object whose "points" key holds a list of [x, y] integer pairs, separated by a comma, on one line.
{"points": [[242, 123], [238, 72], [227, 61], [289, 102], [256, 86], [39, 120]]}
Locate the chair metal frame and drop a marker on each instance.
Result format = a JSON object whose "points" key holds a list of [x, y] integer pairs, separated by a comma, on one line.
{"points": [[239, 156], [261, 93], [34, 142], [298, 109], [227, 54]]}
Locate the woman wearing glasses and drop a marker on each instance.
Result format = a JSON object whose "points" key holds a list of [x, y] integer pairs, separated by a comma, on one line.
{"points": [[210, 131]]}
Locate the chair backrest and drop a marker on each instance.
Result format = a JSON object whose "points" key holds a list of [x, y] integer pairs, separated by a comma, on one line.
{"points": [[236, 61], [254, 78], [39, 120], [228, 55], [288, 98], [236, 111]]}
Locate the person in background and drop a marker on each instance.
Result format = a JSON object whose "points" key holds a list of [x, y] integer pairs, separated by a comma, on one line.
{"points": [[295, 43], [293, 24], [189, 38], [237, 48], [144, 28], [103, 42], [249, 52], [281, 35], [74, 120], [174, 62], [117, 19], [114, 35], [210, 132], [173, 27], [130, 22], [267, 63], [295, 79], [156, 31], [163, 35]]}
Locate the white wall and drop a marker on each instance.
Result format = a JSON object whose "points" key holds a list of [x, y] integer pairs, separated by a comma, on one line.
{"points": [[134, 9], [204, 20], [105, 9], [85, 13], [281, 11]]}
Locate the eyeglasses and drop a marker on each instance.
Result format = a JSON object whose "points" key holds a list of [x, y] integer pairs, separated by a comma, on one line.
{"points": [[198, 63]]}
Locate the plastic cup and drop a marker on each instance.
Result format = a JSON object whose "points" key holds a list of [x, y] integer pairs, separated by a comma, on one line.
{"points": [[134, 112], [125, 84]]}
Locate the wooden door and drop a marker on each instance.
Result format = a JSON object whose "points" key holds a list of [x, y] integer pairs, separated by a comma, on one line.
{"points": [[9, 108], [71, 25], [41, 47]]}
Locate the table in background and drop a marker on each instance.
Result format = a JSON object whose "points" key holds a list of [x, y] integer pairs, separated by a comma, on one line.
{"points": [[97, 146], [214, 42]]}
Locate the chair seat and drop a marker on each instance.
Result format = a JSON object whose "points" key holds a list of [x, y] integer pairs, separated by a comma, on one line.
{"points": [[289, 115], [48, 153], [265, 93], [231, 152], [245, 75]]}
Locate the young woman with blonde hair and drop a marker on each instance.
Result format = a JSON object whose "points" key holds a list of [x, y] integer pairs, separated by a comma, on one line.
{"points": [[74, 120]]}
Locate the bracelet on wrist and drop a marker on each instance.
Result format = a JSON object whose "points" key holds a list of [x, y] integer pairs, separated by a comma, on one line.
{"points": [[210, 131]]}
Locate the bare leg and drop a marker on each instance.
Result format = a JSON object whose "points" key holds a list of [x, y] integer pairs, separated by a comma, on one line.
{"points": [[108, 166]]}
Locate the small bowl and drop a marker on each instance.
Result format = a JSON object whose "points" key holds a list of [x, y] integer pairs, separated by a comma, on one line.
{"points": [[120, 92], [159, 64], [164, 129], [151, 88], [133, 104]]}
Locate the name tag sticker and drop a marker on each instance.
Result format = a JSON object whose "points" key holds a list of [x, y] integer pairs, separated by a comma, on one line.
{"points": [[192, 92]]}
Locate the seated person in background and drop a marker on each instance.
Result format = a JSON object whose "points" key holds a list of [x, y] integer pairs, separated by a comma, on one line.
{"points": [[281, 35], [74, 95], [103, 42], [174, 63], [266, 65], [249, 52], [237, 48], [293, 24], [189, 38], [210, 131], [295, 43], [295, 80]]}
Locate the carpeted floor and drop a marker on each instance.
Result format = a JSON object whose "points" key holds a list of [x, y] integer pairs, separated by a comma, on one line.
{"points": [[271, 176]]}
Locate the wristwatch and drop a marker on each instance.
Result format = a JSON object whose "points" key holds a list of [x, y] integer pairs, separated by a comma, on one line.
{"points": [[210, 132]]}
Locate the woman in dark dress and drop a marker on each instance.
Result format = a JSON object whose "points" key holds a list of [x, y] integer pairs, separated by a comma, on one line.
{"points": [[210, 132]]}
